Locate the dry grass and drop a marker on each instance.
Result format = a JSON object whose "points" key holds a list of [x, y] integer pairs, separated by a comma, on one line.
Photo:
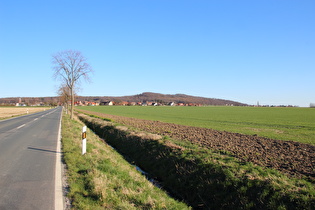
{"points": [[7, 112]]}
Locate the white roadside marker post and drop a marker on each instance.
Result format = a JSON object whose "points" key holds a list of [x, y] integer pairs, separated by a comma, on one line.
{"points": [[83, 140]]}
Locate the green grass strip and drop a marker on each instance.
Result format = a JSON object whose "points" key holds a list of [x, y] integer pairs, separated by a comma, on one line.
{"points": [[102, 179]]}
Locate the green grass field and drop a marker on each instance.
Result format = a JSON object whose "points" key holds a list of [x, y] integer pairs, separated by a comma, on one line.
{"points": [[296, 124]]}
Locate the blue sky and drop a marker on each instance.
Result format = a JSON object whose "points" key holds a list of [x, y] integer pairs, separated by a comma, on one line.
{"points": [[245, 50]]}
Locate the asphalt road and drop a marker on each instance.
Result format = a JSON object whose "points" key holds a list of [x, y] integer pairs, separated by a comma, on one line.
{"points": [[28, 151]]}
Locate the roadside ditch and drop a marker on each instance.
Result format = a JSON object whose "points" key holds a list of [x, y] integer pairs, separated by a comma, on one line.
{"points": [[102, 179]]}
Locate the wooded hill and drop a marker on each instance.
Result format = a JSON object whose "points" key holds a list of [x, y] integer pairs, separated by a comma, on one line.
{"points": [[164, 99], [143, 97]]}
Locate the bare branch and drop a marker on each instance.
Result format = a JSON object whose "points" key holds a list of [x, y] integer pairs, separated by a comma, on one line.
{"points": [[70, 66]]}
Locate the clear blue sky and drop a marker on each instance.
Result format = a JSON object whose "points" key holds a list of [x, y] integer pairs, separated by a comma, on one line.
{"points": [[244, 50]]}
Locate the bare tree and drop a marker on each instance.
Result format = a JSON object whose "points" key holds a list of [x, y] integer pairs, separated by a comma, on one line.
{"points": [[70, 66], [64, 96]]}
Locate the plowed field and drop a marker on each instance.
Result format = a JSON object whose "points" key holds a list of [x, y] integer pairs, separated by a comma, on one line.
{"points": [[293, 158]]}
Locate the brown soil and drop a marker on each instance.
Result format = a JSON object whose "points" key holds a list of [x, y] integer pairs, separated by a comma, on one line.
{"points": [[293, 158]]}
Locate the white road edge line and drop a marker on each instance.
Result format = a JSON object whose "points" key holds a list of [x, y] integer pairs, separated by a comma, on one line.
{"points": [[59, 200]]}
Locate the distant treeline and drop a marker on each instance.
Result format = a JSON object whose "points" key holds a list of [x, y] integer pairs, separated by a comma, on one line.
{"points": [[143, 97], [162, 99], [30, 101]]}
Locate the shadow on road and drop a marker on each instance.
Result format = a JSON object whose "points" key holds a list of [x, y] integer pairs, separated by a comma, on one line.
{"points": [[42, 150]]}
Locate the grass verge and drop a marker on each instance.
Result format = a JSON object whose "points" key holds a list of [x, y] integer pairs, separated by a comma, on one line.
{"points": [[206, 179], [103, 179]]}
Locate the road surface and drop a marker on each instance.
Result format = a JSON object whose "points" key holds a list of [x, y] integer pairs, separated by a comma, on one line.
{"points": [[28, 151]]}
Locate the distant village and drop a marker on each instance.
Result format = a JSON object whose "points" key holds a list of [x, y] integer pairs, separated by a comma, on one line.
{"points": [[126, 103], [55, 101], [151, 103], [32, 102]]}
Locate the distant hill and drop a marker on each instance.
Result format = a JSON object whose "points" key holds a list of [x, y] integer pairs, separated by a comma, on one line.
{"points": [[164, 99], [143, 97]]}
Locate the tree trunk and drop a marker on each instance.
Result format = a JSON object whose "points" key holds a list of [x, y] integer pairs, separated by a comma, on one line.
{"points": [[72, 103], [67, 107]]}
